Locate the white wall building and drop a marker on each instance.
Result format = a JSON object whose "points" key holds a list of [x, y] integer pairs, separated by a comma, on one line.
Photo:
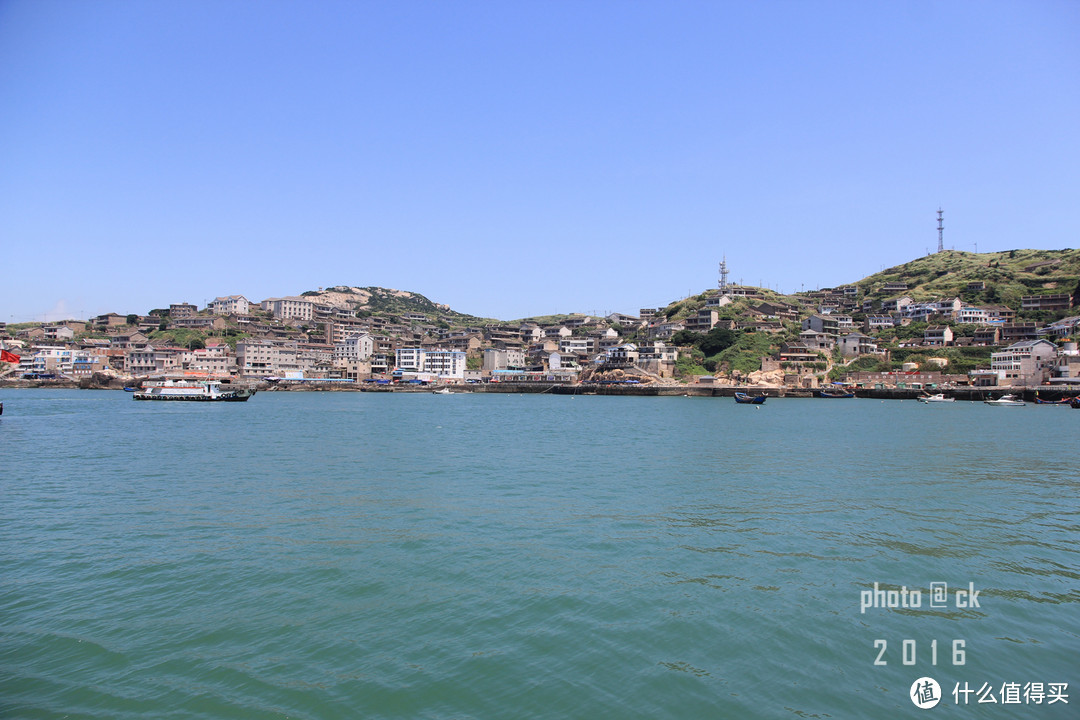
{"points": [[353, 349], [443, 363], [230, 305], [290, 307], [266, 357]]}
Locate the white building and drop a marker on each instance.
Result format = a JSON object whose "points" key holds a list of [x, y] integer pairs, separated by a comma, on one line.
{"points": [[290, 307], [577, 345], [1028, 362], [443, 363], [267, 357], [510, 358], [357, 348], [230, 305]]}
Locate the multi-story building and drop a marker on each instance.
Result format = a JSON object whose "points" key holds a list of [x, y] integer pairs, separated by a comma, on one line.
{"points": [[938, 335], [826, 324], [443, 363], [879, 322], [151, 360], [1029, 362], [1060, 301], [622, 355], [896, 304], [290, 307], [216, 359], [704, 321], [356, 348], [182, 310], [664, 331], [508, 359], [267, 357], [577, 345], [230, 305], [971, 315], [1017, 331], [856, 344]]}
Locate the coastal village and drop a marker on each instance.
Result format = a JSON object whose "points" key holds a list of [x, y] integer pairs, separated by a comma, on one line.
{"points": [[948, 320]]}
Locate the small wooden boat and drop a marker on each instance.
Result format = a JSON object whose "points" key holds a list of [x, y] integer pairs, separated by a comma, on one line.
{"points": [[1060, 401], [835, 394], [1075, 403], [745, 399]]}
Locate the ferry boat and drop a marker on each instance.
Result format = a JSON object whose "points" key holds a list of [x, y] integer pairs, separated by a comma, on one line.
{"points": [[193, 390]]}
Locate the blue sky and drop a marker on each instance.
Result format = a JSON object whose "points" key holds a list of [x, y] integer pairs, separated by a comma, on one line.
{"points": [[519, 158]]}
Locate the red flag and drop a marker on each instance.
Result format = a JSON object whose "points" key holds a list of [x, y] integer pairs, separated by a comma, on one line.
{"points": [[10, 357]]}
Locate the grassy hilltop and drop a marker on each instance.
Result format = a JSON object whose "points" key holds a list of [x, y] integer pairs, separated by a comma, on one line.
{"points": [[1008, 276]]}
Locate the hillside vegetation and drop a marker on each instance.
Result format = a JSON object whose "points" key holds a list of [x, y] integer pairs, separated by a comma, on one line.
{"points": [[1008, 276]]}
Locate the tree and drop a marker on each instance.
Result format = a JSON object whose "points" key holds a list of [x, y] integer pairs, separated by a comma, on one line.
{"points": [[717, 340], [196, 344], [685, 338], [132, 319]]}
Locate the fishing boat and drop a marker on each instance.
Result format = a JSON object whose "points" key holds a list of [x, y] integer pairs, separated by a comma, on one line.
{"points": [[1060, 401], [1007, 401], [192, 390], [940, 397], [442, 391], [834, 394], [745, 399], [1075, 403]]}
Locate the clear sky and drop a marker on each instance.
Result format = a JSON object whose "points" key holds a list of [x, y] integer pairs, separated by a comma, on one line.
{"points": [[520, 158]]}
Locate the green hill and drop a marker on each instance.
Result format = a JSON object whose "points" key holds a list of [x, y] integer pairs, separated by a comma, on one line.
{"points": [[387, 302], [1007, 275]]}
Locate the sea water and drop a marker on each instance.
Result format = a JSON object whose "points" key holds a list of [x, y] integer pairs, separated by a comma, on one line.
{"points": [[378, 555]]}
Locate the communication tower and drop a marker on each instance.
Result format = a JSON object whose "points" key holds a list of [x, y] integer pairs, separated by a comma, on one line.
{"points": [[940, 230]]}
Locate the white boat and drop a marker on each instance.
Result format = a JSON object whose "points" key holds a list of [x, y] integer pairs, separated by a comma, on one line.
{"points": [[193, 390], [442, 391], [935, 398], [1006, 401]]}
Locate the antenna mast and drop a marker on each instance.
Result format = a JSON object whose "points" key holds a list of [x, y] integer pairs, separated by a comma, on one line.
{"points": [[723, 276], [940, 230]]}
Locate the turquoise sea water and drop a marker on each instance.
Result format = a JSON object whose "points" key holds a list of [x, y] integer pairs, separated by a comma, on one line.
{"points": [[339, 555]]}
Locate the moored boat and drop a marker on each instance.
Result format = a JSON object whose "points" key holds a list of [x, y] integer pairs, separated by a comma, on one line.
{"points": [[192, 390], [835, 394], [939, 398], [745, 399], [1006, 401]]}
